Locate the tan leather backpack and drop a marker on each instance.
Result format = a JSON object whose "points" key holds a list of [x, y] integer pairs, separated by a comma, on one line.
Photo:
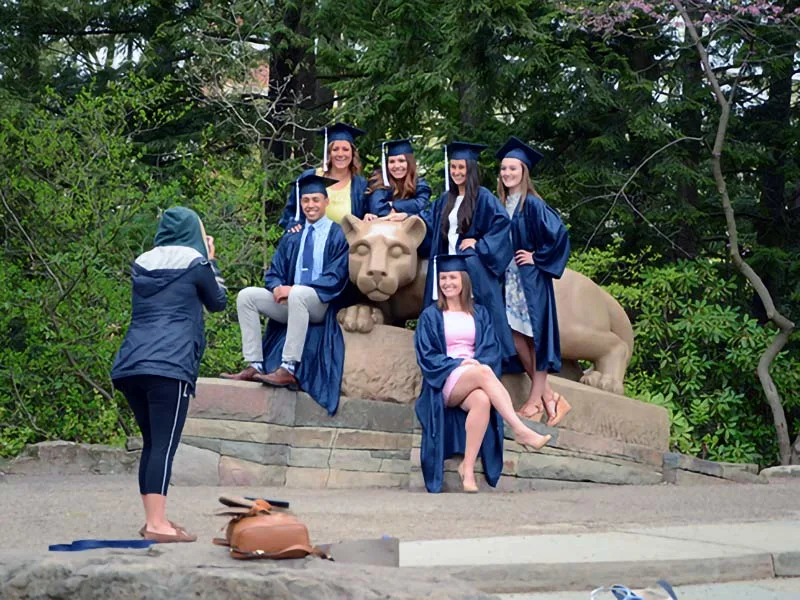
{"points": [[258, 530]]}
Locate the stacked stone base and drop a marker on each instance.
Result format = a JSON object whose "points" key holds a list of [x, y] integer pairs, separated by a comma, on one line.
{"points": [[245, 434]]}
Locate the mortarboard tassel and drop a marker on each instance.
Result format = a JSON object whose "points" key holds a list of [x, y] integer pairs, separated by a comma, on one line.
{"points": [[435, 281], [297, 200], [446, 172], [383, 165], [325, 153]]}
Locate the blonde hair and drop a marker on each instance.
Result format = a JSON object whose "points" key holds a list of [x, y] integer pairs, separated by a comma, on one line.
{"points": [[525, 189], [467, 304]]}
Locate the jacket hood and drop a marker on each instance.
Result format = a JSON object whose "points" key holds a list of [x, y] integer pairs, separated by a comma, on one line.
{"points": [[156, 269], [180, 226]]}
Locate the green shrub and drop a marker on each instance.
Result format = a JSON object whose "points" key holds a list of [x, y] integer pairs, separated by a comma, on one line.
{"points": [[696, 352]]}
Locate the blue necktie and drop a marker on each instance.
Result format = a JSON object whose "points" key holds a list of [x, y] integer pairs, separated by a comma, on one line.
{"points": [[307, 266]]}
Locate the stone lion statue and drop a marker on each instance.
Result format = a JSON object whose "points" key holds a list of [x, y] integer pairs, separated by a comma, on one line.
{"points": [[385, 268]]}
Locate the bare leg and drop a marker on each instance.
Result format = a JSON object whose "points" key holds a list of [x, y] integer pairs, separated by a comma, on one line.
{"points": [[483, 378], [555, 404], [533, 407], [477, 406], [155, 507]]}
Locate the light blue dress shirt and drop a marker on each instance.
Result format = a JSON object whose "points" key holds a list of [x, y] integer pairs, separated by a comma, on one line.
{"points": [[321, 230]]}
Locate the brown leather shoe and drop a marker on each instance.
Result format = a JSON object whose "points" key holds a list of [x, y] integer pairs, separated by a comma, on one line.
{"points": [[280, 377], [143, 530], [246, 374], [180, 535]]}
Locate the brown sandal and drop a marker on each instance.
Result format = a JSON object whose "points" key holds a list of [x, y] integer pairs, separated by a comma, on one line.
{"points": [[173, 523], [180, 535], [561, 406]]}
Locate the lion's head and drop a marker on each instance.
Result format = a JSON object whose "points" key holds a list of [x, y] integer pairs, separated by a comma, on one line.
{"points": [[383, 254]]}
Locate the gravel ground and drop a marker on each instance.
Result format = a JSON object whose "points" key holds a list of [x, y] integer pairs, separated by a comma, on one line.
{"points": [[41, 510]]}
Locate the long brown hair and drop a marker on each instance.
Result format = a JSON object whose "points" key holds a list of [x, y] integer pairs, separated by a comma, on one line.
{"points": [[355, 163], [405, 188], [467, 208], [467, 304], [525, 189]]}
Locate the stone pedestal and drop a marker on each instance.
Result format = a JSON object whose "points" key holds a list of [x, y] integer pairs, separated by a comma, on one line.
{"points": [[242, 433]]}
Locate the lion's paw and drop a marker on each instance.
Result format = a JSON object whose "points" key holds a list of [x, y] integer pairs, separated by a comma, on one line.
{"points": [[601, 381], [360, 317]]}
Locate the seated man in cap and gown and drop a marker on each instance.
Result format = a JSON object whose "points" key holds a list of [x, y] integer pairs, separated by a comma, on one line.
{"points": [[468, 219], [303, 346], [463, 403], [541, 252], [342, 163], [396, 188]]}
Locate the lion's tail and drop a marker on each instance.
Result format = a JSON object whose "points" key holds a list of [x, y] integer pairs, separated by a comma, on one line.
{"points": [[620, 323]]}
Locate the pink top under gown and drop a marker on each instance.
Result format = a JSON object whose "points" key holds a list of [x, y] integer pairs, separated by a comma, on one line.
{"points": [[459, 335]]}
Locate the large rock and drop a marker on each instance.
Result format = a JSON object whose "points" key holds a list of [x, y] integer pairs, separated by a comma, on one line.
{"points": [[69, 458], [781, 472], [205, 572], [381, 365], [613, 416], [195, 466]]}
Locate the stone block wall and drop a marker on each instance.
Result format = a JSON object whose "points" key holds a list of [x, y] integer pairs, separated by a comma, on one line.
{"points": [[245, 434]]}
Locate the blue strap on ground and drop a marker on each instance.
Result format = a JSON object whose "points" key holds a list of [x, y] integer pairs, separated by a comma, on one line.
{"points": [[668, 588], [79, 545]]}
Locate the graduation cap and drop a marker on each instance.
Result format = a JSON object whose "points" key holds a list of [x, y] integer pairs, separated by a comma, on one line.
{"points": [[393, 148], [310, 184], [336, 133], [459, 151], [516, 148], [446, 263]]}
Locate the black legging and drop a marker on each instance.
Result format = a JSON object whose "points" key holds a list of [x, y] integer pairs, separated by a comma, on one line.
{"points": [[159, 405]]}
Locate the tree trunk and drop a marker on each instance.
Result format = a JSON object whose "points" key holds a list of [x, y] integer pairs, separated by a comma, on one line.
{"points": [[784, 325], [293, 76]]}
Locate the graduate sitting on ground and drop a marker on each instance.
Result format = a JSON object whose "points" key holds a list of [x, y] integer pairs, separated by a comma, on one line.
{"points": [[395, 188], [462, 399], [309, 271]]}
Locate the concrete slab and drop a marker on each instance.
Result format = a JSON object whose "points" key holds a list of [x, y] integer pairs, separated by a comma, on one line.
{"points": [[774, 537], [641, 544], [543, 577]]}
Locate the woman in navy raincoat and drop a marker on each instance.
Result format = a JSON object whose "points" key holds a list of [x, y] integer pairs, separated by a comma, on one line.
{"points": [[156, 368]]}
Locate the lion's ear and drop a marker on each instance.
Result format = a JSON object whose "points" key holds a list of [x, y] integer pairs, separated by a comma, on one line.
{"points": [[351, 226], [415, 229]]}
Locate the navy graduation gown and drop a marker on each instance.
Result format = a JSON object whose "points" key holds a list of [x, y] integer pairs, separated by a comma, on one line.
{"points": [[358, 206], [320, 370], [378, 200], [444, 429], [536, 227], [486, 262]]}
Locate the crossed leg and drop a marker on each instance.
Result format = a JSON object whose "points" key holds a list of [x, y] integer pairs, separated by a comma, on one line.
{"points": [[477, 391]]}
